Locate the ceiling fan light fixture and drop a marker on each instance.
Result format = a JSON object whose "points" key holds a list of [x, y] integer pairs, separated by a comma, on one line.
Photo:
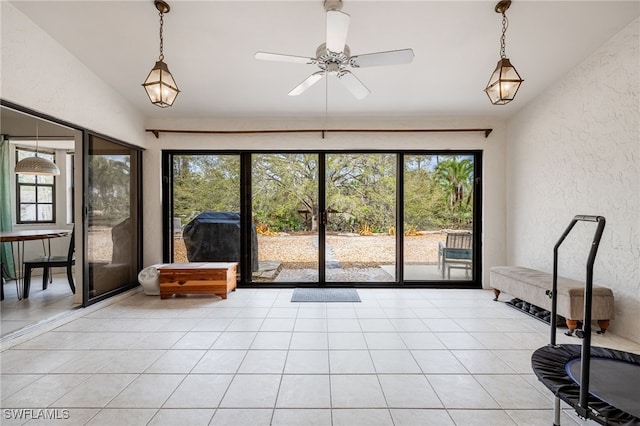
{"points": [[505, 80], [160, 84]]}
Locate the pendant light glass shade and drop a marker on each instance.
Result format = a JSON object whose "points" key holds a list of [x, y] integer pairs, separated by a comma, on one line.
{"points": [[37, 166], [160, 86], [505, 80], [504, 83]]}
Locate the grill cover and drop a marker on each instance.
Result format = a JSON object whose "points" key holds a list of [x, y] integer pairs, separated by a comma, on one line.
{"points": [[215, 237]]}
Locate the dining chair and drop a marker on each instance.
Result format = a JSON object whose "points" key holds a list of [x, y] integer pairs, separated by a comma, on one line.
{"points": [[48, 262]]}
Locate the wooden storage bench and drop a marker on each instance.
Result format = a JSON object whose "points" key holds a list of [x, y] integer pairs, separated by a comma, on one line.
{"points": [[217, 278], [534, 286]]}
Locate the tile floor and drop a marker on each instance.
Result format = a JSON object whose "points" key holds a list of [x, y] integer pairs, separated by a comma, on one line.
{"points": [[42, 305], [401, 357]]}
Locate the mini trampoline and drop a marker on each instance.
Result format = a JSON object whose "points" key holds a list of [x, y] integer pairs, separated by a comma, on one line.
{"points": [[601, 384]]}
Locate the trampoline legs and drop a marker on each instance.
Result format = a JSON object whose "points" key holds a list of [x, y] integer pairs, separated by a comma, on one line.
{"points": [[556, 412]]}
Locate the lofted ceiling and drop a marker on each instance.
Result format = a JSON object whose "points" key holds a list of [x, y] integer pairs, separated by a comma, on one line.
{"points": [[209, 47]]}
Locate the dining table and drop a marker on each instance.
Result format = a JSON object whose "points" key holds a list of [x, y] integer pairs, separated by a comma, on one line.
{"points": [[17, 240]]}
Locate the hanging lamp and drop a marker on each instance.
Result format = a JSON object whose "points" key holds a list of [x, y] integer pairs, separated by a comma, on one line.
{"points": [[505, 80], [36, 165], [160, 85]]}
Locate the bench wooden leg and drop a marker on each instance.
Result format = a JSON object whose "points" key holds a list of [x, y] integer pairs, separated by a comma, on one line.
{"points": [[571, 325], [497, 293], [604, 325]]}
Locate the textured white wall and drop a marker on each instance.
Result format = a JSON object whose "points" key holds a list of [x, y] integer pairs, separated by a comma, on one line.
{"points": [[38, 73], [493, 155], [576, 150]]}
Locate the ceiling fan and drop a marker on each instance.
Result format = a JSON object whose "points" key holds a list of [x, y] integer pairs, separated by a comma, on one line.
{"points": [[334, 56]]}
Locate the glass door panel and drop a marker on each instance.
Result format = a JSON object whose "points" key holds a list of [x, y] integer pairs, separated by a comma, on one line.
{"points": [[285, 213], [438, 217], [205, 219], [360, 217], [113, 254]]}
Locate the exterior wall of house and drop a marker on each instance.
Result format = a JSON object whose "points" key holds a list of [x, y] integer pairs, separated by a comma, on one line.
{"points": [[576, 150], [493, 155]]}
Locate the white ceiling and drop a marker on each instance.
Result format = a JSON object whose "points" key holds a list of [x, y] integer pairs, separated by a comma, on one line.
{"points": [[209, 48]]}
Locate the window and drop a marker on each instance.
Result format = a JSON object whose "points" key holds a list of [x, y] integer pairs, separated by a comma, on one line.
{"points": [[35, 195]]}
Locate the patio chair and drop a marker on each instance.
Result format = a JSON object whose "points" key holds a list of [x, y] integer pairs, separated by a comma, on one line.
{"points": [[48, 262], [456, 253]]}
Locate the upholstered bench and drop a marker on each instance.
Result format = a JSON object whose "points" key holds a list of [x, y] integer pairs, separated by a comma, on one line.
{"points": [[534, 287]]}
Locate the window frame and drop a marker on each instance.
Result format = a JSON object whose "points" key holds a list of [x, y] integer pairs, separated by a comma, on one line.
{"points": [[34, 185]]}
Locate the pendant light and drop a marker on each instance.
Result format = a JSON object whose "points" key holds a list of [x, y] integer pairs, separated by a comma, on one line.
{"points": [[160, 85], [505, 80], [36, 165]]}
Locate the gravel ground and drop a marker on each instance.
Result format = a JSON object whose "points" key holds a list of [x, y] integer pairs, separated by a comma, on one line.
{"points": [[300, 251]]}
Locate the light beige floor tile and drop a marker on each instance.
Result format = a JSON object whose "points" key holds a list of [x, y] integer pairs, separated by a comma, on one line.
{"points": [[482, 362], [122, 416], [307, 340], [347, 341], [481, 418], [11, 383], [497, 340], [408, 391], [147, 391], [343, 325], [252, 391], [301, 417], [518, 360], [176, 362], [411, 325], [213, 324], [241, 417], [199, 391], [384, 341], [422, 341], [512, 391], [356, 391], [263, 362], [420, 417], [461, 391], [220, 362], [307, 362], [177, 416], [350, 362], [160, 340], [304, 391], [278, 324], [285, 312], [66, 417], [44, 391], [132, 361], [361, 417], [438, 362], [272, 340], [96, 391], [442, 325], [394, 362], [538, 417], [459, 341], [197, 340], [376, 325], [245, 324], [310, 325], [235, 340]]}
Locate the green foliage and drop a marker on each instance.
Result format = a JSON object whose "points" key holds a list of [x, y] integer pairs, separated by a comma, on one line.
{"points": [[110, 184], [360, 190]]}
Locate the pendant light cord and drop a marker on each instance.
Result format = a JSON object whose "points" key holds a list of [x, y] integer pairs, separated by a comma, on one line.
{"points": [[505, 25], [161, 38]]}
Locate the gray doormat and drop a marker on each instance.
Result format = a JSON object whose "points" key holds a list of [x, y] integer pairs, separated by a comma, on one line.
{"points": [[325, 295]]}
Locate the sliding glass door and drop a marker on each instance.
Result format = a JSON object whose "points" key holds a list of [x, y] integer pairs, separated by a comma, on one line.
{"points": [[112, 197], [327, 218]]}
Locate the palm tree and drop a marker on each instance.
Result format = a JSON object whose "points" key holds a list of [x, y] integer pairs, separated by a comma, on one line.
{"points": [[456, 178]]}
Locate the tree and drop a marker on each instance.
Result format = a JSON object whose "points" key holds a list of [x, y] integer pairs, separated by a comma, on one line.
{"points": [[455, 176]]}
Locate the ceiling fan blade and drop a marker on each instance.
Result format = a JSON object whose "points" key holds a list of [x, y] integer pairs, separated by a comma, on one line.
{"points": [[276, 57], [392, 57], [354, 85], [308, 82], [337, 28]]}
